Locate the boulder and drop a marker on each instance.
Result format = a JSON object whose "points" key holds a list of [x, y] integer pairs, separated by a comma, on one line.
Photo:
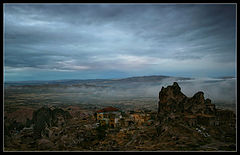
{"points": [[44, 118], [45, 144]]}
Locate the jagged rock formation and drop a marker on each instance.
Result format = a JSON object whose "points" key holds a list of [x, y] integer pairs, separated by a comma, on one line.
{"points": [[196, 115], [172, 100]]}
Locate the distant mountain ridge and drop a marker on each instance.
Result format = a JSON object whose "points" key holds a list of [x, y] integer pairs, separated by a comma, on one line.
{"points": [[77, 81]]}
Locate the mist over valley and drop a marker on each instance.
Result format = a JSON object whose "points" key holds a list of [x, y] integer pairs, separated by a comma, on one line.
{"points": [[134, 91]]}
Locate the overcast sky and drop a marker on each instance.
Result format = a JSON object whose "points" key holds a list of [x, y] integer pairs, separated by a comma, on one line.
{"points": [[89, 41]]}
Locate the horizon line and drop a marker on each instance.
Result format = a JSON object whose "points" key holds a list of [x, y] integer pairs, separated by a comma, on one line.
{"points": [[10, 81]]}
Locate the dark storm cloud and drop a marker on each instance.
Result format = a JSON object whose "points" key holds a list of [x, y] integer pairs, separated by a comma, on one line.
{"points": [[130, 38]]}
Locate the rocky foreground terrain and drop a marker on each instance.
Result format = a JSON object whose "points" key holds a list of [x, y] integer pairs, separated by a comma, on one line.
{"points": [[180, 123], [194, 123]]}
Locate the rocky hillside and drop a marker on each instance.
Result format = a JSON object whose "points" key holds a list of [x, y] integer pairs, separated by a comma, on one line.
{"points": [[180, 123], [194, 120]]}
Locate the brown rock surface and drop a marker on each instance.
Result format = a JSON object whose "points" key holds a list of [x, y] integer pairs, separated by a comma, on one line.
{"points": [[45, 144], [172, 100], [194, 121]]}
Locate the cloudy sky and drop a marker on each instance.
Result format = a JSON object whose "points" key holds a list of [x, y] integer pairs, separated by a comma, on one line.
{"points": [[89, 41]]}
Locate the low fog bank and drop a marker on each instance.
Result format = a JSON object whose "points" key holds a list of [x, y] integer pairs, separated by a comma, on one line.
{"points": [[218, 90], [221, 91]]}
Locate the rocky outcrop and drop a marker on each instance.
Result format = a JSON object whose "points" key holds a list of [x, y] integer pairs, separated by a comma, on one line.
{"points": [[193, 119], [45, 117], [193, 111], [172, 100]]}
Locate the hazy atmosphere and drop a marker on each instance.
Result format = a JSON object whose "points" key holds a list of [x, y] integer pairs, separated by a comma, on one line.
{"points": [[120, 77], [91, 41]]}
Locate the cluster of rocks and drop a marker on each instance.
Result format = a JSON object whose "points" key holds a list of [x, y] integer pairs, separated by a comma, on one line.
{"points": [[174, 104], [177, 110], [53, 129], [171, 99], [45, 118]]}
